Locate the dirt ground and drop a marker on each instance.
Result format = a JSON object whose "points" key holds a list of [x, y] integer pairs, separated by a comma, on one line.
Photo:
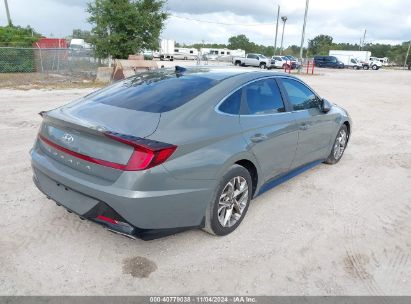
{"points": [[333, 230]]}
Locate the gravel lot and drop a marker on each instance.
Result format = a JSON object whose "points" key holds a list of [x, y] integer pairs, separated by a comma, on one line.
{"points": [[333, 230]]}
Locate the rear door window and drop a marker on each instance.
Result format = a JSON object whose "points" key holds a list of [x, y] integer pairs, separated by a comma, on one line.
{"points": [[262, 97]]}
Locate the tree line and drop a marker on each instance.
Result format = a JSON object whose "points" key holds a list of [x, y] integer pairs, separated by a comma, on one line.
{"points": [[125, 27], [319, 45]]}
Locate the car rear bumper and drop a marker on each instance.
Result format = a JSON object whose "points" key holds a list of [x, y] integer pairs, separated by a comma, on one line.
{"points": [[167, 211]]}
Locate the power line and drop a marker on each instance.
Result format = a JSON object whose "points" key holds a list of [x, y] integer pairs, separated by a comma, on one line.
{"points": [[222, 23]]}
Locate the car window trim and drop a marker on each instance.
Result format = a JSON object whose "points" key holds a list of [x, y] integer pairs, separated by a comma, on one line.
{"points": [[286, 105]]}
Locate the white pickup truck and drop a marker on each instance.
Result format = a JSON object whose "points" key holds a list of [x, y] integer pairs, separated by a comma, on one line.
{"points": [[256, 60], [373, 63]]}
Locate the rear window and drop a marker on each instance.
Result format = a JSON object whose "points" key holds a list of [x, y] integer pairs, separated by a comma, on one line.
{"points": [[155, 92]]}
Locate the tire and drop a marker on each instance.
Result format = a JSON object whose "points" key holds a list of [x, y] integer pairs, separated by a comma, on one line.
{"points": [[262, 66], [339, 143], [214, 223], [237, 63], [374, 67], [366, 67]]}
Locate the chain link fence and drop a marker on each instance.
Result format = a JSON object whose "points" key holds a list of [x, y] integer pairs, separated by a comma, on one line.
{"points": [[79, 62]]}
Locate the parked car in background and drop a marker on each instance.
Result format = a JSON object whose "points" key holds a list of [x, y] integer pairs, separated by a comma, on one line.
{"points": [[256, 60], [328, 62], [373, 64], [170, 150], [283, 62], [295, 62]]}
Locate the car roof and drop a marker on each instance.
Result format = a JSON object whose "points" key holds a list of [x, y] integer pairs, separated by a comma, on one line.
{"points": [[220, 73]]}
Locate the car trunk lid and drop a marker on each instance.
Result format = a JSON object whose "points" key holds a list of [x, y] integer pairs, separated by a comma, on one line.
{"points": [[76, 136]]}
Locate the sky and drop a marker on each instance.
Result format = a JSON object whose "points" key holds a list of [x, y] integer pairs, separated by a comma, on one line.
{"points": [[387, 21]]}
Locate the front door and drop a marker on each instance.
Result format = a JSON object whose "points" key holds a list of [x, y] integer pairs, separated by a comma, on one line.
{"points": [[314, 126], [268, 128]]}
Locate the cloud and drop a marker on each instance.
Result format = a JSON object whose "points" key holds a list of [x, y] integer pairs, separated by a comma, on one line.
{"points": [[344, 20]]}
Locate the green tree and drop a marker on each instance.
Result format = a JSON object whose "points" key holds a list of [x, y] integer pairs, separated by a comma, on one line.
{"points": [[241, 42], [125, 27], [320, 45], [18, 36], [81, 34]]}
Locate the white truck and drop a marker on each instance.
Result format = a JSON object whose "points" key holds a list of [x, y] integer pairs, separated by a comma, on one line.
{"points": [[256, 60], [372, 63], [166, 49], [356, 59]]}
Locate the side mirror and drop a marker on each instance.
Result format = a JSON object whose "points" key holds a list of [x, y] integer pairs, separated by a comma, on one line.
{"points": [[325, 105]]}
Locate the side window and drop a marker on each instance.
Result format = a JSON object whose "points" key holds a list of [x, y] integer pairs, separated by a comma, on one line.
{"points": [[299, 95], [262, 97], [232, 104]]}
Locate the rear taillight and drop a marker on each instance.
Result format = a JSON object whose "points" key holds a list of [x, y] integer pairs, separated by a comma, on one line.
{"points": [[147, 153]]}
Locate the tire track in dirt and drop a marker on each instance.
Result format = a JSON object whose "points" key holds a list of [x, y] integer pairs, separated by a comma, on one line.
{"points": [[393, 262]]}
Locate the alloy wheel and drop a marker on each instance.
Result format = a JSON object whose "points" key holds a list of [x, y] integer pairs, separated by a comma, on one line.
{"points": [[340, 144], [233, 201]]}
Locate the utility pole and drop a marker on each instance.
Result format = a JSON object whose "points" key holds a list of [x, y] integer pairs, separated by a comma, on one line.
{"points": [[363, 39], [7, 12], [406, 56], [276, 30], [284, 19], [303, 34]]}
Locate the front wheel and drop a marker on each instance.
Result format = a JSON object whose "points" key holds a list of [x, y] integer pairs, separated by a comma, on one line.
{"points": [[339, 146], [375, 67], [231, 201], [262, 66]]}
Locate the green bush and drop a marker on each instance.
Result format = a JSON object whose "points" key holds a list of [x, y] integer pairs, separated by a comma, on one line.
{"points": [[17, 60]]}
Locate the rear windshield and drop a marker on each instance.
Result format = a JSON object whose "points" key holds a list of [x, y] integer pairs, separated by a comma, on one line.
{"points": [[155, 92]]}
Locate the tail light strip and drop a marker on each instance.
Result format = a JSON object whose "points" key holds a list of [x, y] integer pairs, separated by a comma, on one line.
{"points": [[146, 154]]}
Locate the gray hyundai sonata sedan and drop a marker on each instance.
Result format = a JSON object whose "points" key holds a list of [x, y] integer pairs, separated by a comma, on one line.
{"points": [[170, 150]]}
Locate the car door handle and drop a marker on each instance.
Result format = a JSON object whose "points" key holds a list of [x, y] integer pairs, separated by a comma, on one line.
{"points": [[258, 138]]}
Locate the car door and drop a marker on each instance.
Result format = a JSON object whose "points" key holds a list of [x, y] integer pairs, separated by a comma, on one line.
{"points": [[278, 62], [268, 126], [315, 127], [252, 60]]}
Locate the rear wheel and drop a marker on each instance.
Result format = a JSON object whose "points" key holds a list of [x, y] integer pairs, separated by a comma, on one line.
{"points": [[339, 146], [262, 66], [231, 201], [366, 67]]}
